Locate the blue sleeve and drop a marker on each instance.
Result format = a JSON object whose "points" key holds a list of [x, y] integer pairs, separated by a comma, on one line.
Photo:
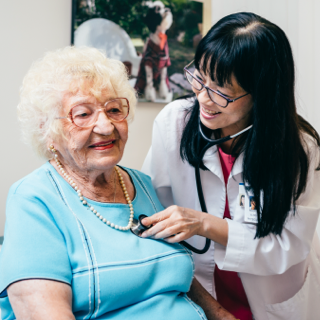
{"points": [[33, 247]]}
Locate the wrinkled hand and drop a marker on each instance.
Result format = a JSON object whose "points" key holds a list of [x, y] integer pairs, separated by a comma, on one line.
{"points": [[174, 224]]}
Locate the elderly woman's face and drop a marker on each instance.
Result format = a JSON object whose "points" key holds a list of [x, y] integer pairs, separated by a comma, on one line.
{"points": [[99, 147]]}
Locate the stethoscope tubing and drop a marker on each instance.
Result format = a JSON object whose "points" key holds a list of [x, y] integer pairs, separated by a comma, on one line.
{"points": [[138, 226], [211, 143]]}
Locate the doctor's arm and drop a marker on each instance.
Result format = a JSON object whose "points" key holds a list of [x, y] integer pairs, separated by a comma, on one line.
{"points": [[236, 248], [176, 224], [211, 307], [38, 299]]}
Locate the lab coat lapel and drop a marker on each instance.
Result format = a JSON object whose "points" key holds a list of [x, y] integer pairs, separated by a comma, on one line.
{"points": [[237, 167], [213, 183], [212, 161], [233, 186]]}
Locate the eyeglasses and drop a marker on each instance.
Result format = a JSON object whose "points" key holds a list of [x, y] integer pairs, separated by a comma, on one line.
{"points": [[86, 115], [215, 96]]}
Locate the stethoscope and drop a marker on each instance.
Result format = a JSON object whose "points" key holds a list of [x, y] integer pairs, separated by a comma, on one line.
{"points": [[137, 226]]}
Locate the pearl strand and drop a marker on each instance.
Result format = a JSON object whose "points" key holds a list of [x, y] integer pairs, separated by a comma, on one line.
{"points": [[85, 203]]}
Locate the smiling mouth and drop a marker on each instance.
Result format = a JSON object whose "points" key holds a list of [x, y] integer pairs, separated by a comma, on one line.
{"points": [[210, 111], [102, 144]]}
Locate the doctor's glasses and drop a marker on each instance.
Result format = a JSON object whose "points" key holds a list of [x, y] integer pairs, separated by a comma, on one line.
{"points": [[214, 95]]}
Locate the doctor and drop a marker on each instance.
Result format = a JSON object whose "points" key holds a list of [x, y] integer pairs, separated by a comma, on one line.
{"points": [[264, 260]]}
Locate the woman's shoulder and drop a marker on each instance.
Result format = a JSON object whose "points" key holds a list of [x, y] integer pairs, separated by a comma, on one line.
{"points": [[175, 110], [33, 184], [31, 198]]}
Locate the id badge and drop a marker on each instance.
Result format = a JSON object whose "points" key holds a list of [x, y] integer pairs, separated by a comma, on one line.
{"points": [[248, 204]]}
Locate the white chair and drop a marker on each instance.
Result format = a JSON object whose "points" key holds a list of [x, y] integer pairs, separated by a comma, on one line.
{"points": [[111, 38]]}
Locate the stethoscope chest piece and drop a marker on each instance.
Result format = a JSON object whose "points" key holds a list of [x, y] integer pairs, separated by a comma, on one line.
{"points": [[137, 226]]}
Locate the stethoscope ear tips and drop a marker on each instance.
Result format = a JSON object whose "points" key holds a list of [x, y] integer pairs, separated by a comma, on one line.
{"points": [[137, 226]]}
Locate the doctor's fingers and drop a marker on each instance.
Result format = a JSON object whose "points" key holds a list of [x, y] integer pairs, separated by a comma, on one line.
{"points": [[177, 238], [157, 217], [162, 215], [189, 226], [181, 230], [173, 234], [154, 231]]}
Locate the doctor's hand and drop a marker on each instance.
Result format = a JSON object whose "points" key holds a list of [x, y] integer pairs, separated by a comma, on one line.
{"points": [[176, 224]]}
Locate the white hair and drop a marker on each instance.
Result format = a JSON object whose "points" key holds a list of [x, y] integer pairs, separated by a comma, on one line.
{"points": [[67, 69]]}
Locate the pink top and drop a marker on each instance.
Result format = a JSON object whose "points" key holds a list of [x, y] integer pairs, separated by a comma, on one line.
{"points": [[229, 288]]}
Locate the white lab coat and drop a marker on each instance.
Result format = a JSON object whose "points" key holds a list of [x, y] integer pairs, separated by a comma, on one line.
{"points": [[281, 275]]}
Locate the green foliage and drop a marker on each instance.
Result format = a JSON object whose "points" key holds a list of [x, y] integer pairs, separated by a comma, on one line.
{"points": [[128, 14]]}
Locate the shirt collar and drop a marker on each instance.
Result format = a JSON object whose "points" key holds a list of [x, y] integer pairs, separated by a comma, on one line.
{"points": [[212, 161]]}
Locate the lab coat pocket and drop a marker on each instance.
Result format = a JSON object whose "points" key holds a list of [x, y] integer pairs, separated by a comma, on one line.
{"points": [[302, 305]]}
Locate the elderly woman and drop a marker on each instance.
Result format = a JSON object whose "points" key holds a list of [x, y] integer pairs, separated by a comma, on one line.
{"points": [[68, 251]]}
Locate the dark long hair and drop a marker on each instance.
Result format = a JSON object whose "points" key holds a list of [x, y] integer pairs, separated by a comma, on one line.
{"points": [[275, 165]]}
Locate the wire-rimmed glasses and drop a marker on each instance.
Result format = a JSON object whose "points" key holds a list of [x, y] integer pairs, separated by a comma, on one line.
{"points": [[85, 115], [214, 95]]}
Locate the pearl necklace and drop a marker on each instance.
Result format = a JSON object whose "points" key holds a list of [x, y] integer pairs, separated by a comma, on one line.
{"points": [[85, 203]]}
